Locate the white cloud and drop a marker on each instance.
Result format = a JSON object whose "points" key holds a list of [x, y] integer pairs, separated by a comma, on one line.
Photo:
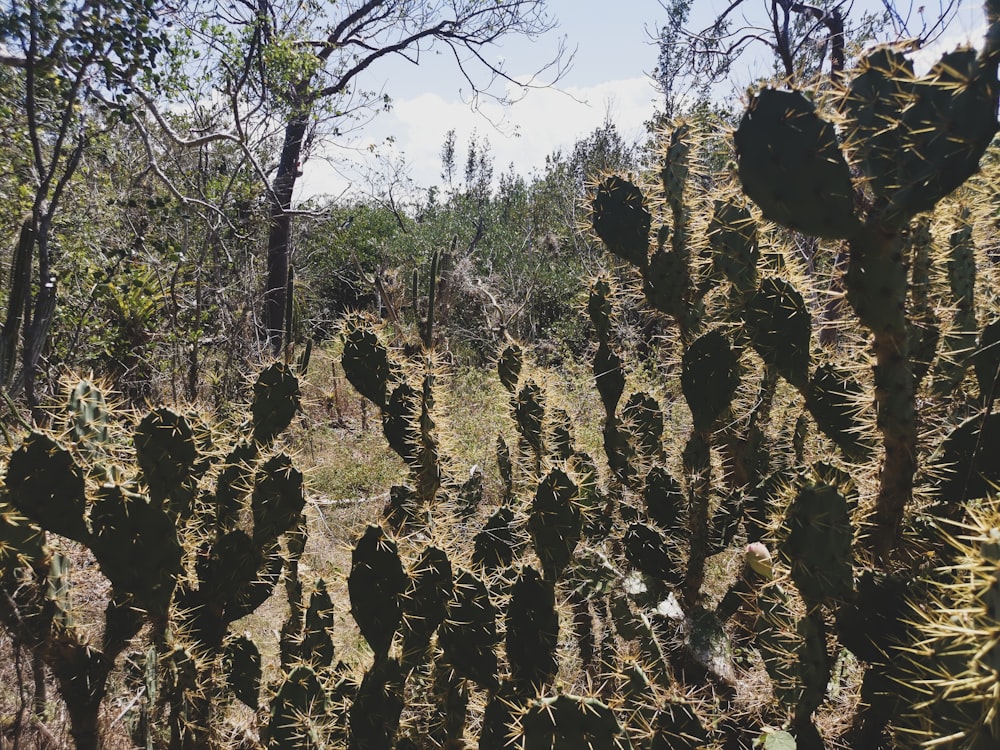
{"points": [[522, 134], [924, 58]]}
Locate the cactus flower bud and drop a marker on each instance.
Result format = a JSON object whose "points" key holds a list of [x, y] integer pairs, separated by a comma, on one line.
{"points": [[759, 559]]}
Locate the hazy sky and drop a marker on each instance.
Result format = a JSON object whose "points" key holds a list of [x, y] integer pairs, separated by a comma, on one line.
{"points": [[614, 55]]}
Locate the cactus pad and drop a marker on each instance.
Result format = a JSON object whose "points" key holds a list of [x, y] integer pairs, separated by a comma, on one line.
{"points": [[569, 722], [791, 166], [376, 586], [275, 401], [621, 220], [818, 545], [555, 523], [366, 362], [532, 630], [779, 325], [709, 377], [509, 366]]}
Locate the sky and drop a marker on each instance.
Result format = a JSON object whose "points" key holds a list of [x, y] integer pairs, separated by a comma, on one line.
{"points": [[614, 53]]}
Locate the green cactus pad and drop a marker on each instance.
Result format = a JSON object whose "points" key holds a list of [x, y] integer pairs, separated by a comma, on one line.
{"points": [[570, 722], [425, 603], [778, 641], [562, 435], [609, 377], [499, 718], [532, 630], [665, 501], [299, 702], [599, 308], [779, 324], [637, 627], [366, 362], [277, 500], [376, 586], [555, 523], [665, 284], [597, 519], [814, 666], [88, 417], [875, 622], [819, 545], [494, 547], [57, 592], [986, 360], [469, 635], [236, 574], [674, 170], [872, 105], [234, 483], [725, 522], [137, 547], [835, 401], [506, 468], [402, 512], [676, 726], [709, 378], [509, 366], [643, 418], [619, 450], [732, 233], [399, 422], [317, 638], [470, 493], [621, 220], [275, 402], [949, 121], [241, 663], [650, 553], [791, 166], [963, 474], [166, 451], [529, 412], [46, 485]]}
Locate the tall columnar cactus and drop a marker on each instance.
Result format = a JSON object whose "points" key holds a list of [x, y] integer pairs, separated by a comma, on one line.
{"points": [[924, 324], [914, 140], [959, 343]]}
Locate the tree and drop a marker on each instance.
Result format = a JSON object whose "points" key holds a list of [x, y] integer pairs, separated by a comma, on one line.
{"points": [[802, 37], [69, 61], [303, 65]]}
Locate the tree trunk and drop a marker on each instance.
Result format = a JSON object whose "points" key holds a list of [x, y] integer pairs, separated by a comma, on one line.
{"points": [[279, 200]]}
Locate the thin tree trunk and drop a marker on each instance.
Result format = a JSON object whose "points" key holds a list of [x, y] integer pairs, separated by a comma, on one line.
{"points": [[279, 235]]}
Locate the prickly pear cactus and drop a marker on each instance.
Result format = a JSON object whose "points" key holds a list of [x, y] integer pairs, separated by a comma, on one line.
{"points": [[376, 586], [569, 722], [915, 139]]}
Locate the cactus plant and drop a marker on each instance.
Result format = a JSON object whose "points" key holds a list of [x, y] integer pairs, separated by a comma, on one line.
{"points": [[569, 721], [915, 139], [376, 585], [532, 630]]}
